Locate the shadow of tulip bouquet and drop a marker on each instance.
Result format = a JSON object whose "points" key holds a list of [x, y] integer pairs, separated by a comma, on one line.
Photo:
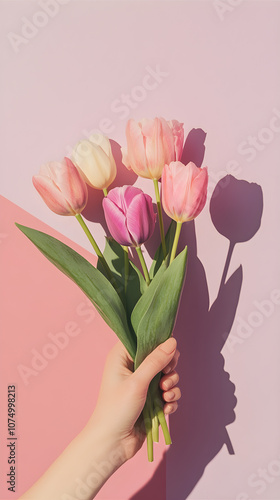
{"points": [[139, 305]]}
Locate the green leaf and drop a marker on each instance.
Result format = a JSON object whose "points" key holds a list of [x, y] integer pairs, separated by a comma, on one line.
{"points": [[158, 258], [147, 297], [142, 283], [114, 256], [89, 279], [136, 284], [158, 311]]}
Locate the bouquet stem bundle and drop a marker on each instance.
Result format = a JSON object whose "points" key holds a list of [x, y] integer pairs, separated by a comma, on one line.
{"points": [[140, 308]]}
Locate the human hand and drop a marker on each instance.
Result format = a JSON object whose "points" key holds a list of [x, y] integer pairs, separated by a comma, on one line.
{"points": [[114, 433], [123, 394]]}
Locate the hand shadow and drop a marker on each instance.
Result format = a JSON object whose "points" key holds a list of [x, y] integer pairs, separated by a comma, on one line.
{"points": [[198, 428]]}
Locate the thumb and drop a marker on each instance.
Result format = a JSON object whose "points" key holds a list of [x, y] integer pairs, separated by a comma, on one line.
{"points": [[154, 363]]}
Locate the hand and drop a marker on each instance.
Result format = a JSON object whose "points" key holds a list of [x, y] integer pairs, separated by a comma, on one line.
{"points": [[114, 432], [123, 394]]}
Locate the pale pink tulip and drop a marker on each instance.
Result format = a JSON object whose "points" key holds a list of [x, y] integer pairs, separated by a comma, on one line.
{"points": [[129, 215], [178, 134], [151, 144], [61, 187], [184, 190]]}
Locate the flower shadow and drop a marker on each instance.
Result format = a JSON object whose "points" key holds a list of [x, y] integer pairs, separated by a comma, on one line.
{"points": [[199, 427]]}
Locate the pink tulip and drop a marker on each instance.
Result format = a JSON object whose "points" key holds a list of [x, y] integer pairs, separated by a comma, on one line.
{"points": [[151, 144], [61, 187], [184, 190], [129, 215]]}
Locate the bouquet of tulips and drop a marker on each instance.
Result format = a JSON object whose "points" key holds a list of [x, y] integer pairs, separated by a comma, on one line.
{"points": [[140, 307]]}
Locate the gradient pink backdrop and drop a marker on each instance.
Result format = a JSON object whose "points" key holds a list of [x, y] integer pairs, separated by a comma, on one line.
{"points": [[217, 71]]}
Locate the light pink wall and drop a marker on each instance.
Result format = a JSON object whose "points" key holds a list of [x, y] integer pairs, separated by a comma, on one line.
{"points": [[217, 71]]}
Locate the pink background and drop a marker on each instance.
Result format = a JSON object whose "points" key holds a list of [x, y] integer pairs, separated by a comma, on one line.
{"points": [[219, 73]]}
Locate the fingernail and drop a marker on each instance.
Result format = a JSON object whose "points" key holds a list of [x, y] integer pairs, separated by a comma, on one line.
{"points": [[169, 345], [169, 409], [167, 370], [170, 395], [168, 384]]}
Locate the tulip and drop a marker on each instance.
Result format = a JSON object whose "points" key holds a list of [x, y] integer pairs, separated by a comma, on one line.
{"points": [[95, 161], [151, 144], [178, 134], [184, 190], [130, 219], [61, 187], [129, 215]]}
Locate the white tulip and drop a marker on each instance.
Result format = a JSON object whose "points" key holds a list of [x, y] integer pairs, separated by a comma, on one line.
{"points": [[95, 161]]}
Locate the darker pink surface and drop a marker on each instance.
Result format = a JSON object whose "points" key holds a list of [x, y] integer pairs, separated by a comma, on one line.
{"points": [[52, 406]]}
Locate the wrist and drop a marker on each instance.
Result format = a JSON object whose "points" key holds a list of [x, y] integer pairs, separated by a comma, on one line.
{"points": [[105, 443]]}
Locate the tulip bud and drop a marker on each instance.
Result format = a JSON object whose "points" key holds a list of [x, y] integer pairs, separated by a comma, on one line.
{"points": [[151, 144], [61, 187], [95, 161], [184, 190], [129, 215]]}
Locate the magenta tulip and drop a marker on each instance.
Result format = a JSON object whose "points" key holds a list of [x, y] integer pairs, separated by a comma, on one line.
{"points": [[61, 187], [151, 144], [129, 215], [184, 190]]}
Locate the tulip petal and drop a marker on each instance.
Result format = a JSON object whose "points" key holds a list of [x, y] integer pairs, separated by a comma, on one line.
{"points": [[167, 191], [141, 218], [102, 141], [123, 196], [184, 190], [182, 182], [168, 142], [61, 187], [116, 222], [178, 135], [152, 132], [96, 167], [51, 195], [198, 193], [135, 149], [74, 187], [125, 158]]}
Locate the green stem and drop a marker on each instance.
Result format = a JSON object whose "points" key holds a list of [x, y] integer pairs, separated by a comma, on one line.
{"points": [[153, 416], [155, 428], [148, 427], [175, 242], [126, 267], [162, 421], [95, 246], [160, 219], [143, 264], [105, 191]]}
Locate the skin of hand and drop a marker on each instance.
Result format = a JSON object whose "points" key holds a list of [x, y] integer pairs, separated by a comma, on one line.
{"points": [[123, 393], [114, 433]]}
